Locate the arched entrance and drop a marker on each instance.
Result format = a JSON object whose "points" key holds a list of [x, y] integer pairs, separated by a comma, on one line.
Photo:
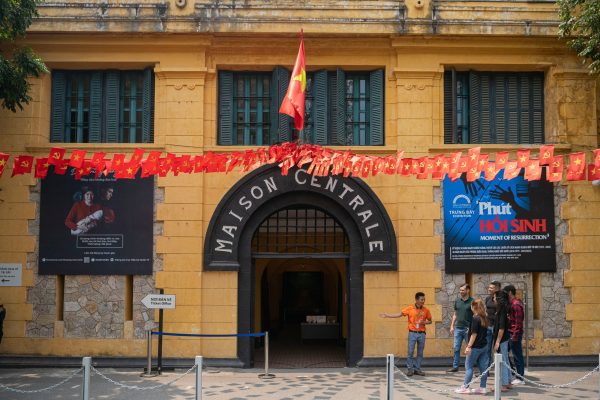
{"points": [[300, 255], [348, 201]]}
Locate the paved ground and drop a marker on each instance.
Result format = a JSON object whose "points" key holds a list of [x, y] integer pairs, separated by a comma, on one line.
{"points": [[288, 384]]}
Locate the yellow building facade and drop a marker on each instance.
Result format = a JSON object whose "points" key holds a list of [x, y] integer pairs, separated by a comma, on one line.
{"points": [[187, 46]]}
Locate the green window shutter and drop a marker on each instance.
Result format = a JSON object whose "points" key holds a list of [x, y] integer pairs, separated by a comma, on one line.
{"points": [[502, 109], [112, 81], [225, 108], [514, 130], [448, 109], [338, 109], [95, 135], [280, 123], [475, 114], [537, 107], [59, 87], [148, 106], [376, 82], [321, 107], [524, 111]]}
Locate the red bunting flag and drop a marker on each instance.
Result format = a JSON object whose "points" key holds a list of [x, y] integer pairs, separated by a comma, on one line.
{"points": [[77, 157], [552, 176], [546, 154], [511, 170], [533, 172], [491, 171], [473, 161], [597, 157], [61, 167], [574, 175], [557, 164], [118, 163], [463, 164], [22, 165], [593, 172], [576, 162], [501, 160], [3, 162], [523, 158], [483, 160], [56, 155], [41, 167], [293, 102]]}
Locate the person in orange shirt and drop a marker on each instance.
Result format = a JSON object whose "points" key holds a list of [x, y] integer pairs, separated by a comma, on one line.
{"points": [[418, 316]]}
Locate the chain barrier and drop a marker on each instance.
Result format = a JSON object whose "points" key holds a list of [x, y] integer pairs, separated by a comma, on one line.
{"points": [[419, 383], [10, 389], [545, 386], [133, 387]]}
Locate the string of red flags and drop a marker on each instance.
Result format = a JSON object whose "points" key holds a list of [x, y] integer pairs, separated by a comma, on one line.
{"points": [[537, 164]]}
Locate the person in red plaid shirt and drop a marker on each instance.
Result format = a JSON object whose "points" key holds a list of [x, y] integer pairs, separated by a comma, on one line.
{"points": [[516, 316]]}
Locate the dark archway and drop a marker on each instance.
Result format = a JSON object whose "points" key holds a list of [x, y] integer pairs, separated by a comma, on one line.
{"points": [[228, 244]]}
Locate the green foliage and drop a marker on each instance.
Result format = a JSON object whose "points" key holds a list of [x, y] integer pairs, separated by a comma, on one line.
{"points": [[580, 22], [16, 64]]}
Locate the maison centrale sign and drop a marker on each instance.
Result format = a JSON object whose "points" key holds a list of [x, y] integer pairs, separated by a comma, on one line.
{"points": [[359, 211]]}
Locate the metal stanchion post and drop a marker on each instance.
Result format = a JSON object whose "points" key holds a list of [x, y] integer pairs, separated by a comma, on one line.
{"points": [[390, 376], [87, 369], [266, 375], [526, 312], [148, 371], [497, 375], [198, 377]]}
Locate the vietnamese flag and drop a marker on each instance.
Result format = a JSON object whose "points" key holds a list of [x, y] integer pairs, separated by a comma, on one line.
{"points": [[533, 172], [77, 157], [41, 167], [597, 157], [491, 171], [293, 102], [523, 158], [22, 165], [576, 162], [593, 172], [3, 160]]}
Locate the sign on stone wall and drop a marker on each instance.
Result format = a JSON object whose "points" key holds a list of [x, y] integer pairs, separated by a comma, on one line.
{"points": [[96, 226], [499, 226], [11, 274]]}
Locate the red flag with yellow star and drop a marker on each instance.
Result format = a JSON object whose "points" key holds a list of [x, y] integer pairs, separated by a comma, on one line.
{"points": [[3, 161], [293, 102]]}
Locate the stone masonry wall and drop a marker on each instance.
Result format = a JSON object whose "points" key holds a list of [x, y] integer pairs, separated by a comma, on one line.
{"points": [[42, 296], [94, 306]]}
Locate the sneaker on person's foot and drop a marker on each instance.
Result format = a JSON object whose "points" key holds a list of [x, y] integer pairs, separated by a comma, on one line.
{"points": [[517, 381], [453, 369], [462, 389], [419, 372], [410, 372], [479, 390]]}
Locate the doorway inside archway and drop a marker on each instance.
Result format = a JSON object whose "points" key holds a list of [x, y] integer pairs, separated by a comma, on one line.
{"points": [[300, 258]]}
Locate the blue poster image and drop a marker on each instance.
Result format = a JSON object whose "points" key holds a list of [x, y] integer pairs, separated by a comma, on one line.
{"points": [[499, 226]]}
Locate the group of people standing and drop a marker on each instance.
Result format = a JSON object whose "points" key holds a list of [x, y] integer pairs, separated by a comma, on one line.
{"points": [[493, 325]]}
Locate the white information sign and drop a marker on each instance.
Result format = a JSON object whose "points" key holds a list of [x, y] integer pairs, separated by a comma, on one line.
{"points": [[159, 301], [11, 274]]}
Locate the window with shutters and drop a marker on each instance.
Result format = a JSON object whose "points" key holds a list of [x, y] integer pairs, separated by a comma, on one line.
{"points": [[102, 106], [341, 108], [493, 107]]}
